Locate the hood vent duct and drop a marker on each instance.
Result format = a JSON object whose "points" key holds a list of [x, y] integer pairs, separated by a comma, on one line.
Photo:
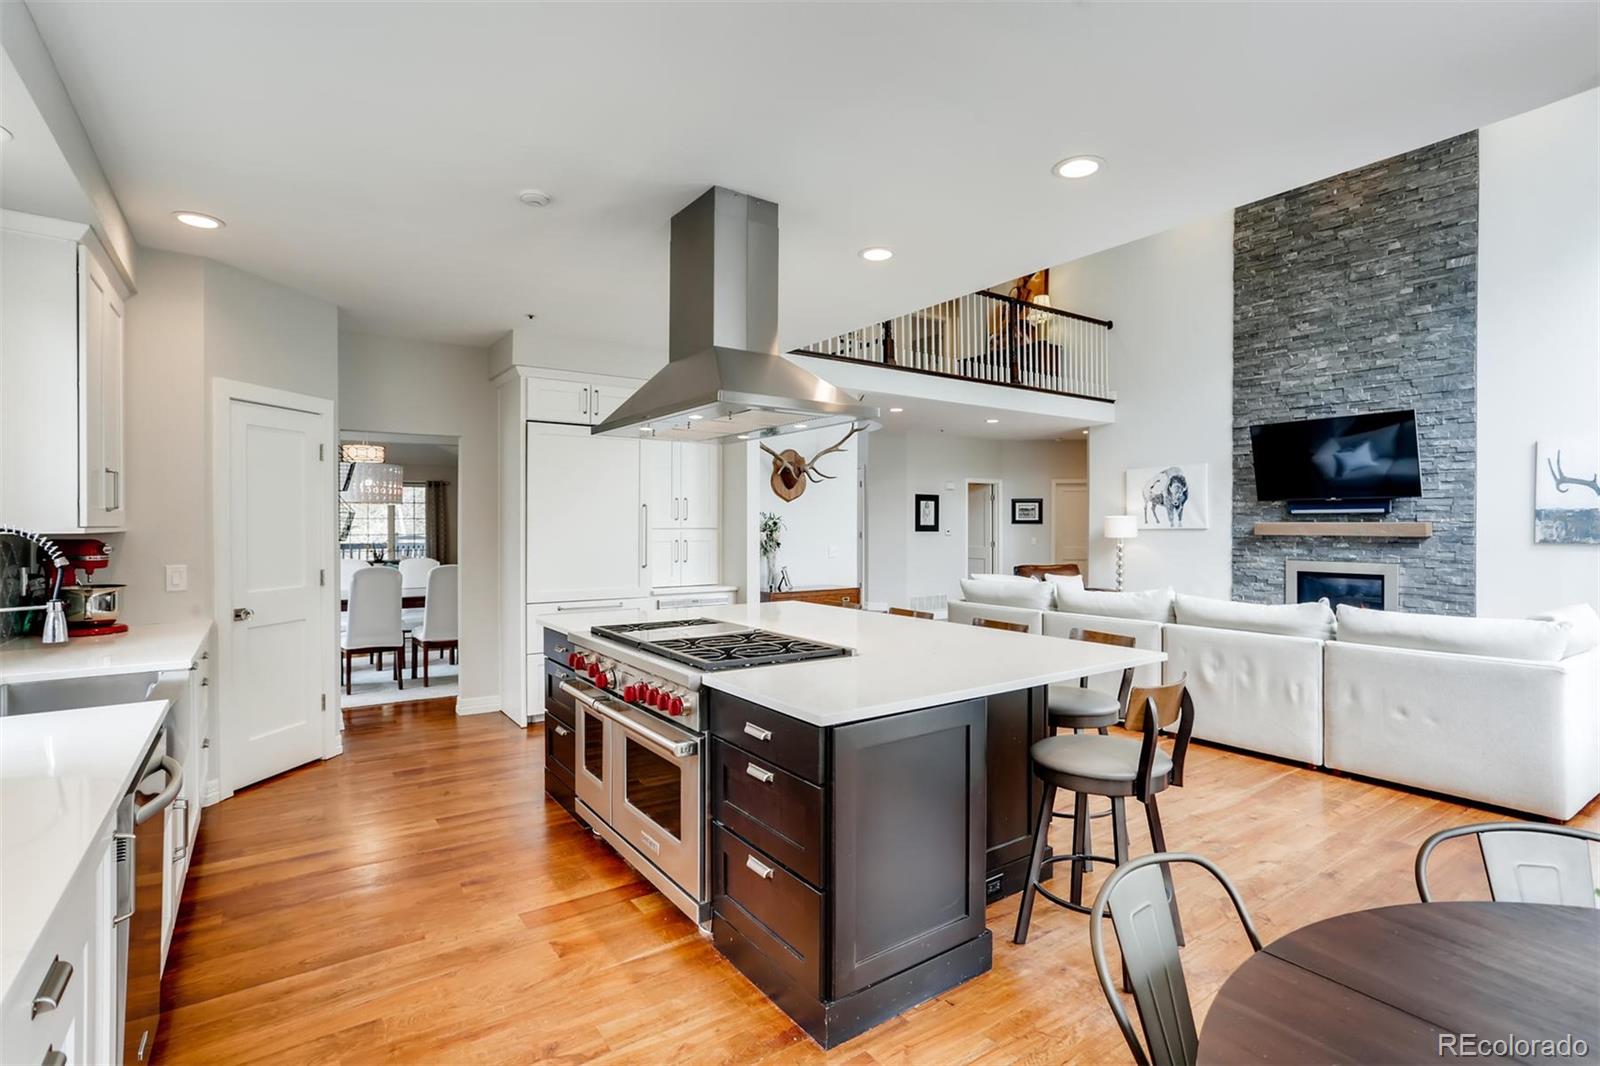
{"points": [[724, 378]]}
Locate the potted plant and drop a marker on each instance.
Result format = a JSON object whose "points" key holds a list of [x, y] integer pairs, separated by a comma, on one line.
{"points": [[771, 540]]}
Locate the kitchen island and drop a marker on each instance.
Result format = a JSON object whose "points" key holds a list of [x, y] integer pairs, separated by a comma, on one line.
{"points": [[856, 811]]}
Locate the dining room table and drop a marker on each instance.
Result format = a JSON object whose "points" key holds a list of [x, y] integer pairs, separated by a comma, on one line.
{"points": [[1496, 982], [410, 596]]}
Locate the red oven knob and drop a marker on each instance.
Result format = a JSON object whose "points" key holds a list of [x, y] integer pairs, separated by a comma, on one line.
{"points": [[575, 660], [677, 706], [604, 680], [653, 697], [630, 693], [594, 671]]}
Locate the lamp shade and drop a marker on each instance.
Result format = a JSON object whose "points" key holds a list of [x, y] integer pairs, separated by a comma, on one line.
{"points": [[1121, 527], [361, 453], [374, 483]]}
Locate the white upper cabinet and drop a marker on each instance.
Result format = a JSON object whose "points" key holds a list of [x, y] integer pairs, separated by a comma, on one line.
{"points": [[575, 401], [61, 429], [683, 484], [585, 519]]}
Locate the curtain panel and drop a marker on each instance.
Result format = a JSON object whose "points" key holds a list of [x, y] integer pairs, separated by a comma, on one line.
{"points": [[438, 521]]}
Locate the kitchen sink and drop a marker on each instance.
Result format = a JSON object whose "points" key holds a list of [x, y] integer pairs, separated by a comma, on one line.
{"points": [[35, 697]]}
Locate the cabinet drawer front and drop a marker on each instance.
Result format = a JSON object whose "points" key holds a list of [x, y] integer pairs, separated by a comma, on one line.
{"points": [[774, 909], [560, 746], [769, 807], [556, 645], [557, 704], [776, 738]]}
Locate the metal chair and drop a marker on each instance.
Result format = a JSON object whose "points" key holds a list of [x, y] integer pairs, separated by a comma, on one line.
{"points": [[1088, 764], [1149, 936], [1526, 862]]}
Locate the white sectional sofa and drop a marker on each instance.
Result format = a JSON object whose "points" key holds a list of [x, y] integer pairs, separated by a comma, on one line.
{"points": [[1504, 712]]}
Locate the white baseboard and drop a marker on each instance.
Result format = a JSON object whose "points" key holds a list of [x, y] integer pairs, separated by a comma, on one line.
{"points": [[213, 793], [478, 705]]}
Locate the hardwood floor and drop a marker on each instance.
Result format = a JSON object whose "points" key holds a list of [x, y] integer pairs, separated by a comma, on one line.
{"points": [[418, 900]]}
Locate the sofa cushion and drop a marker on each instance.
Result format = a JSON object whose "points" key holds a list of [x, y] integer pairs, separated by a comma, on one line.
{"points": [[1583, 627], [1007, 590], [1284, 619], [1152, 605], [1501, 638], [1064, 582]]}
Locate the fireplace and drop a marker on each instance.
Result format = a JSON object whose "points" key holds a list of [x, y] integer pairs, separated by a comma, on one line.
{"points": [[1374, 585]]}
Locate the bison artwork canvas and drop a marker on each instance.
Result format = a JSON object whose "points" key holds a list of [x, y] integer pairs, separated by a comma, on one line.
{"points": [[1169, 497]]}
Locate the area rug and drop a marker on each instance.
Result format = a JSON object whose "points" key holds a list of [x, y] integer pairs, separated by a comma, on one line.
{"points": [[372, 686]]}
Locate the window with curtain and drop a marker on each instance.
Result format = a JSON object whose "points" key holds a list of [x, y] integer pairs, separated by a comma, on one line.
{"points": [[364, 527]]}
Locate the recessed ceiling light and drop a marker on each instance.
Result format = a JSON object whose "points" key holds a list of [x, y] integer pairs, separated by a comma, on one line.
{"points": [[198, 220], [534, 197], [744, 436], [5, 135], [875, 254], [696, 418], [991, 421], [896, 410], [801, 425], [1078, 166], [1085, 433]]}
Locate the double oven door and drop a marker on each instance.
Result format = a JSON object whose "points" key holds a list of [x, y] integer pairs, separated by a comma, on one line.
{"points": [[642, 776]]}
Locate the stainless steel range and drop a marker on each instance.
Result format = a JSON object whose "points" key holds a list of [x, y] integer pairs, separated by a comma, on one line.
{"points": [[638, 771]]}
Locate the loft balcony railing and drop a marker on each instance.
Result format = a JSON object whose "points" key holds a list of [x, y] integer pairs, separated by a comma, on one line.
{"points": [[987, 337]]}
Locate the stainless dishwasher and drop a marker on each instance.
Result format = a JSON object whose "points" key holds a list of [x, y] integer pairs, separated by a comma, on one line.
{"points": [[141, 868]]}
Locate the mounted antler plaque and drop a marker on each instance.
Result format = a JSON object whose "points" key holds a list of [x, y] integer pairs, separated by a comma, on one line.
{"points": [[791, 473]]}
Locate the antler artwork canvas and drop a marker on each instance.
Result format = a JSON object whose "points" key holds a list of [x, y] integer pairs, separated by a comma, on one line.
{"points": [[1566, 497]]}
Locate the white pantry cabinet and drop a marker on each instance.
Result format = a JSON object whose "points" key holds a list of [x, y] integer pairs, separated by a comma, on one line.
{"points": [[61, 380], [585, 524]]}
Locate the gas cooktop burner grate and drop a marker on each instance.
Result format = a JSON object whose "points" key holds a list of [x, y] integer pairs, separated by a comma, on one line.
{"points": [[721, 651]]}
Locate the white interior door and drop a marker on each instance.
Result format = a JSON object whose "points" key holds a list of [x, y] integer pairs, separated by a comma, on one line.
{"points": [[1069, 520], [276, 529], [980, 529]]}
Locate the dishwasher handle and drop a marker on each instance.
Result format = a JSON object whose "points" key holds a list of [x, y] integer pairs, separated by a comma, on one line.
{"points": [[174, 772]]}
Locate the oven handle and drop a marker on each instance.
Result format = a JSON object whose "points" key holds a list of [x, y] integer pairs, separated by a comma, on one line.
{"points": [[678, 749]]}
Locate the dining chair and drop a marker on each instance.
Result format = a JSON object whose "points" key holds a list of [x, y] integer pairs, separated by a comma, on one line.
{"points": [[1136, 896], [414, 575], [1088, 764], [994, 623], [374, 622], [906, 612], [347, 569], [441, 618], [1526, 862]]}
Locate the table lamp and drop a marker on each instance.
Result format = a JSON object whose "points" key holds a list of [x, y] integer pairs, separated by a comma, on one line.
{"points": [[1120, 527]]}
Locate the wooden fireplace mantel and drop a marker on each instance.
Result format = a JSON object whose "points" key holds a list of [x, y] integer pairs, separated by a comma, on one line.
{"points": [[1369, 530]]}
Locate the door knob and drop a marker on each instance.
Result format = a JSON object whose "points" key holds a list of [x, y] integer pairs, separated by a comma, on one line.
{"points": [[241, 614]]}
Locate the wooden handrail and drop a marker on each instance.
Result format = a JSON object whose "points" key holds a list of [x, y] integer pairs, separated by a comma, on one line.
{"points": [[1106, 322]]}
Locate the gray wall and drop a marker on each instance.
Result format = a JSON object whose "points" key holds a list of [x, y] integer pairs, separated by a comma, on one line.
{"points": [[1355, 294]]}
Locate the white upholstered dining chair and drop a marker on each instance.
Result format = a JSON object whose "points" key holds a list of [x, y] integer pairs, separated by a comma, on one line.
{"points": [[441, 618], [373, 625]]}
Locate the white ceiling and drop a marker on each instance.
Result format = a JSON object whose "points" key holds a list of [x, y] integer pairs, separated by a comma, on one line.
{"points": [[370, 153]]}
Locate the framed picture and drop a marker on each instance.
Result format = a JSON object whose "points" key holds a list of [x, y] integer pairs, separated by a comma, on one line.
{"points": [[1027, 511], [926, 515], [1566, 495], [1168, 497]]}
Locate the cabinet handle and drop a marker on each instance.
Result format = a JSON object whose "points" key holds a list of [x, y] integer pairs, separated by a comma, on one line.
{"points": [[181, 805], [588, 606], [757, 867], [644, 535], [53, 1056], [114, 489], [583, 404], [753, 730], [764, 776], [53, 987], [674, 551], [674, 508], [562, 730]]}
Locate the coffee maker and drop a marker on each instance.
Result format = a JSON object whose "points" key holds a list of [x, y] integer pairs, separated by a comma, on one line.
{"points": [[91, 607]]}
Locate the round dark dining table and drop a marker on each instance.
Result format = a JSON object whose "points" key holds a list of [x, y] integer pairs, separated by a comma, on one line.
{"points": [[1388, 985]]}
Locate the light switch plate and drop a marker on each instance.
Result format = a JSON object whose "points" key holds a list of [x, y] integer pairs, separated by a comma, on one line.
{"points": [[177, 577]]}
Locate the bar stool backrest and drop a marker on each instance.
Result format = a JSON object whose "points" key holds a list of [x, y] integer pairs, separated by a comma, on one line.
{"points": [[1151, 710], [993, 623]]}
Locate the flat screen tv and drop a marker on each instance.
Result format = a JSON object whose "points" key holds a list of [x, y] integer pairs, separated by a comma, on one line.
{"points": [[1356, 457]]}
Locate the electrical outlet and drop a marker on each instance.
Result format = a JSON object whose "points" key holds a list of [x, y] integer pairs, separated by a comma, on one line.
{"points": [[177, 577]]}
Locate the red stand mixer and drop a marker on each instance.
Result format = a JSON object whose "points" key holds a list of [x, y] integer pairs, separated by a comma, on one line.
{"points": [[91, 608]]}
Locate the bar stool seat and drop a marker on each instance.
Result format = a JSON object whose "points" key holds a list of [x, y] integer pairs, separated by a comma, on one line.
{"points": [[1100, 766], [1074, 707]]}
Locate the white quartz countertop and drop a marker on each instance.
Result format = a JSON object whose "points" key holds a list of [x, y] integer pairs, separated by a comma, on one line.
{"points": [[166, 646], [62, 774], [900, 664]]}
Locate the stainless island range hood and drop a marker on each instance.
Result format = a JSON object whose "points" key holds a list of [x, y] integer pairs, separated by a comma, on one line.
{"points": [[724, 378]]}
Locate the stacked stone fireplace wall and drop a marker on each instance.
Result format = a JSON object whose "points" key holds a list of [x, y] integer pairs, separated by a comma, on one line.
{"points": [[1359, 294]]}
